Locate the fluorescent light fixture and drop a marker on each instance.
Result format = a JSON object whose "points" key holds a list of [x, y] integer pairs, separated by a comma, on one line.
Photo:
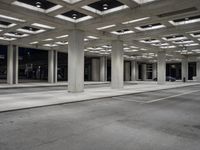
{"points": [[131, 50], [62, 36], [92, 37], [106, 11], [50, 45], [86, 39], [184, 22], [36, 8], [9, 26], [150, 27], [133, 47], [106, 27], [42, 26], [175, 38], [31, 32], [149, 41], [7, 39], [168, 47], [143, 49], [136, 20], [122, 33], [74, 20], [62, 43], [183, 42], [191, 44], [49, 39], [160, 44], [143, 1], [16, 35], [195, 35], [71, 1], [196, 50], [12, 18], [32, 43]]}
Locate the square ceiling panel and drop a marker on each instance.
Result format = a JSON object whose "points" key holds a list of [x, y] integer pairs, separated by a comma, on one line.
{"points": [[5, 24], [74, 16], [187, 20], [37, 5], [31, 30], [122, 32], [150, 27], [103, 7]]}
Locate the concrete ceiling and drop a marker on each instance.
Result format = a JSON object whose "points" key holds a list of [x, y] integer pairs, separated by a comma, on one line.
{"points": [[132, 21]]}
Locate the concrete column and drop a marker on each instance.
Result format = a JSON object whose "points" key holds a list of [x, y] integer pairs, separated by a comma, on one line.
{"points": [[184, 69], [154, 67], [95, 69], [161, 65], [103, 69], [117, 65], [51, 66], [198, 70], [144, 72], [12, 64], [76, 61], [127, 72], [55, 66], [134, 71]]}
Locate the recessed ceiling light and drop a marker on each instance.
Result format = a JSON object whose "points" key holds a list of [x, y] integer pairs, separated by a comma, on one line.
{"points": [[62, 36], [43, 26], [106, 27], [12, 18], [49, 39], [143, 1], [136, 20]]}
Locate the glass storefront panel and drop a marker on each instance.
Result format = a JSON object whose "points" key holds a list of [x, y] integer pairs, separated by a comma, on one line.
{"points": [[33, 65], [3, 63], [62, 66]]}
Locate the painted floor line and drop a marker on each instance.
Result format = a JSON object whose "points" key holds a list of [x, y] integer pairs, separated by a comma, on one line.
{"points": [[124, 99], [161, 99]]}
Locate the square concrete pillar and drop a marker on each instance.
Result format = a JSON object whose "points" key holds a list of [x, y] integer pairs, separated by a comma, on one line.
{"points": [[51, 66], [55, 66], [184, 68], [103, 69], [161, 65], [127, 71], [154, 68], [95, 69], [117, 65], [76, 61], [12, 64]]}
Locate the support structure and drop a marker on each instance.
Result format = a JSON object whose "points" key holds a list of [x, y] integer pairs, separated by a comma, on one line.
{"points": [[95, 69], [184, 68], [134, 71], [76, 61], [127, 71], [12, 64], [52, 66], [103, 69], [161, 64], [154, 67], [117, 62]]}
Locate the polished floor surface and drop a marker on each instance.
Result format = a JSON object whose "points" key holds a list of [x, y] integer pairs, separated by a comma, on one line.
{"points": [[161, 120]]}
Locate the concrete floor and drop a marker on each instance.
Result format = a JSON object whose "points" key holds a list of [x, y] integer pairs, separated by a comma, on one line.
{"points": [[118, 123]]}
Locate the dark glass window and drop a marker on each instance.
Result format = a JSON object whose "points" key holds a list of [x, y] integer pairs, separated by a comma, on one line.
{"points": [[33, 65], [3, 63], [62, 67]]}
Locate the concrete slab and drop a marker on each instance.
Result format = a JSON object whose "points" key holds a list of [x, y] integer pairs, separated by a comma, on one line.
{"points": [[16, 101]]}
